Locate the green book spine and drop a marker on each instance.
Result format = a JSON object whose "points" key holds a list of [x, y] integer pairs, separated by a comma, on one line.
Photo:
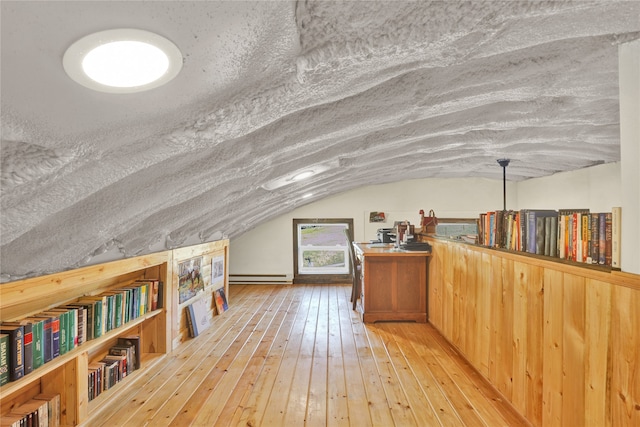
{"points": [[38, 343], [73, 328], [67, 330], [118, 313], [4, 359], [97, 319], [127, 304], [109, 325]]}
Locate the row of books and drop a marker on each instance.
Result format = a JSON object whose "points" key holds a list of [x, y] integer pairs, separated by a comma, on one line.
{"points": [[122, 360], [41, 411], [30, 342], [572, 234]]}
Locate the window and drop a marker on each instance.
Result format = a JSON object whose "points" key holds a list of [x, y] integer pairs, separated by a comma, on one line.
{"points": [[321, 250]]}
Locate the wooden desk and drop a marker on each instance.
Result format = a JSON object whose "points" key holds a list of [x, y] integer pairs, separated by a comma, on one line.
{"points": [[394, 283]]}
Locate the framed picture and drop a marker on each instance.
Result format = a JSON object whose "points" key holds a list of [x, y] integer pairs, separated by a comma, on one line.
{"points": [[377, 217], [190, 280], [221, 300], [217, 269]]}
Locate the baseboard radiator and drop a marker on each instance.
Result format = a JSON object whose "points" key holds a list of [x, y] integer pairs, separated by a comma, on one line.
{"points": [[261, 279]]}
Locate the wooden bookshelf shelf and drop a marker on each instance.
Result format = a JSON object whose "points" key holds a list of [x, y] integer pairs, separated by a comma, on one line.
{"points": [[102, 401]]}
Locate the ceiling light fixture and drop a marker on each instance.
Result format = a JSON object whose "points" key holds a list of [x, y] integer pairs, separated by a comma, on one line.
{"points": [[302, 175], [296, 176], [123, 60]]}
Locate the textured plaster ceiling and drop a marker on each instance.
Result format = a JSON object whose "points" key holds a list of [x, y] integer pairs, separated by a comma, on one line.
{"points": [[376, 91]]}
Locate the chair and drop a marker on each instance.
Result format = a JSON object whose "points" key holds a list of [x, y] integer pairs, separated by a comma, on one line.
{"points": [[356, 287]]}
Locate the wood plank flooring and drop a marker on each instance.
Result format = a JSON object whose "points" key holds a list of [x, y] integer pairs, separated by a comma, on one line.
{"points": [[298, 355]]}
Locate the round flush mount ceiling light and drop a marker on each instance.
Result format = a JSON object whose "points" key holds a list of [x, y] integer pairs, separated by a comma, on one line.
{"points": [[123, 60]]}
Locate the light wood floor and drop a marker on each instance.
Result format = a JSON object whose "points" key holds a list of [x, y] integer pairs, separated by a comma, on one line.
{"points": [[298, 355]]}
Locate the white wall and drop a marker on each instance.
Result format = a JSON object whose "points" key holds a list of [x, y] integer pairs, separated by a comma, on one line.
{"points": [[268, 249], [596, 188]]}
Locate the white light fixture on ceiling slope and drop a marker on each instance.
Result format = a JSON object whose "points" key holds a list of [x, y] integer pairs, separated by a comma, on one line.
{"points": [[123, 60], [299, 175]]}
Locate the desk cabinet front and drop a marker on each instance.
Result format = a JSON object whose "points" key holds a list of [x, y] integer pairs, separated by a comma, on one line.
{"points": [[394, 288]]}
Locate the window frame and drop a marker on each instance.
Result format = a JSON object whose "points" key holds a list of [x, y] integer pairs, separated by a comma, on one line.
{"points": [[307, 278]]}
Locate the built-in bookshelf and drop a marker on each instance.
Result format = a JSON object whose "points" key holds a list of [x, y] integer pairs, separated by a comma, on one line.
{"points": [[96, 310], [575, 235], [79, 315]]}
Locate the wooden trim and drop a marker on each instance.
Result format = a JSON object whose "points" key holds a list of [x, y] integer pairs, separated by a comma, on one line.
{"points": [[590, 271], [317, 278]]}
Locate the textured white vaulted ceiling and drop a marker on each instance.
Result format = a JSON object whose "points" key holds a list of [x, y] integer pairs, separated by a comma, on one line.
{"points": [[377, 91]]}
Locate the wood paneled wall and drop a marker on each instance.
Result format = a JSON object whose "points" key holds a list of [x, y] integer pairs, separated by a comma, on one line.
{"points": [[208, 251], [560, 342]]}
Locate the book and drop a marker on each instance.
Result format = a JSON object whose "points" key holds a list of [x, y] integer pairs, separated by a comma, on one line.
{"points": [[55, 332], [54, 323], [608, 238], [87, 309], [99, 313], [28, 343], [568, 236], [72, 336], [47, 337], [28, 347], [81, 323], [35, 411], [150, 291], [60, 319], [115, 310], [221, 300], [535, 229], [553, 237], [616, 236], [120, 368], [197, 317], [595, 242], [37, 328], [602, 237], [95, 379], [53, 407], [155, 293], [134, 342], [4, 359], [111, 373], [126, 351], [68, 327], [523, 229], [584, 236], [16, 350]]}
